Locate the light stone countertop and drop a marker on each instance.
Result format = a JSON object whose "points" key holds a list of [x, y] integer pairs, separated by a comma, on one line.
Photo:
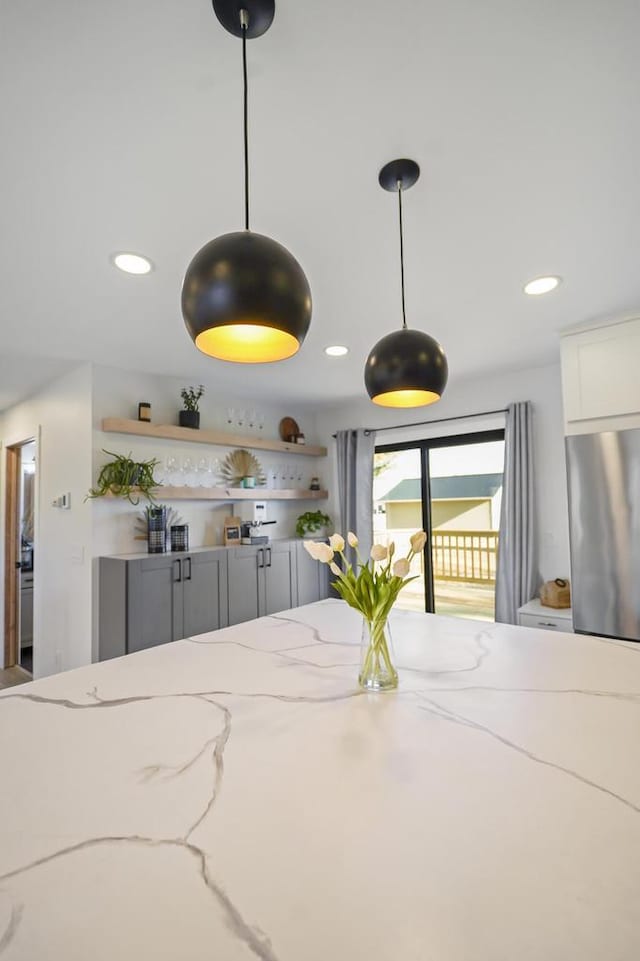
{"points": [[235, 796]]}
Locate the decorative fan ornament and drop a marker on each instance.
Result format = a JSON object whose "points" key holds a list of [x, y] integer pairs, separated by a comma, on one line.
{"points": [[241, 463]]}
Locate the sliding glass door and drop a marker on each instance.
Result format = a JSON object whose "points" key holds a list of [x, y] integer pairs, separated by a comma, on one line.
{"points": [[451, 487]]}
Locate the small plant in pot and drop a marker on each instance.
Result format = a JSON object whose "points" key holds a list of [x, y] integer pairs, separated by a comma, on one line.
{"points": [[312, 524], [124, 477], [190, 415]]}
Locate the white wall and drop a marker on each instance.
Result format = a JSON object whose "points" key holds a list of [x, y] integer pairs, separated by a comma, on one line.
{"points": [[116, 393], [541, 385], [60, 416]]}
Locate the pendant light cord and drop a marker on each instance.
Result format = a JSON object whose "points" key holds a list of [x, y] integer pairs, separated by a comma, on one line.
{"points": [[244, 23], [404, 316]]}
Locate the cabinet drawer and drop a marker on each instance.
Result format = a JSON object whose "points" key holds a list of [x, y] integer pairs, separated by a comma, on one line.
{"points": [[546, 621]]}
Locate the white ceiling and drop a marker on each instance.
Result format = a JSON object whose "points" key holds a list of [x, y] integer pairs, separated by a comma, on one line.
{"points": [[121, 130]]}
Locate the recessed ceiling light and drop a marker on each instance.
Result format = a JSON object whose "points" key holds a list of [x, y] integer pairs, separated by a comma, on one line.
{"points": [[336, 351], [541, 285], [132, 263]]}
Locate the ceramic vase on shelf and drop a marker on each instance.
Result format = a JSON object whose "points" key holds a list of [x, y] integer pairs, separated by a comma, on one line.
{"points": [[377, 671]]}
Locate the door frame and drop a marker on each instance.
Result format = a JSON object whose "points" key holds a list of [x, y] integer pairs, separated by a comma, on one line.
{"points": [[11, 532], [424, 446], [13, 482]]}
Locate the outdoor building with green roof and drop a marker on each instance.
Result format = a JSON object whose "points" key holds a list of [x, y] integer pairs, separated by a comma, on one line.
{"points": [[469, 502]]}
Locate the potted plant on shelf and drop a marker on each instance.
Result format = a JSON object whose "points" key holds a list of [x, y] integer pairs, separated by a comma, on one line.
{"points": [[190, 415], [312, 524], [124, 477]]}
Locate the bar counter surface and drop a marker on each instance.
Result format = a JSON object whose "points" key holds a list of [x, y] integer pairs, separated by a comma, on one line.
{"points": [[235, 796]]}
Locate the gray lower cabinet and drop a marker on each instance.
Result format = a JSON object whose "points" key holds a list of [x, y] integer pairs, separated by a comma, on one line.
{"points": [[313, 578], [262, 580], [152, 600]]}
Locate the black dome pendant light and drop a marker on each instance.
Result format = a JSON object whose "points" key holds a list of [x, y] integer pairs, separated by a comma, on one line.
{"points": [[407, 368], [245, 298]]}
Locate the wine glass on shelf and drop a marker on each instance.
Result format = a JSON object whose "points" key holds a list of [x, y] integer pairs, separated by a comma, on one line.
{"points": [[273, 478], [231, 415], [214, 472], [299, 477], [203, 472], [189, 472], [284, 476], [260, 420], [242, 416], [252, 418], [173, 471], [292, 475]]}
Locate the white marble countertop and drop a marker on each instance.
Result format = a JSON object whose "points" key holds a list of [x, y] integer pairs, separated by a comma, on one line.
{"points": [[236, 797]]}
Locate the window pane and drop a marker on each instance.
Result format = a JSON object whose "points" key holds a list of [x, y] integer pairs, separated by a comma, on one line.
{"points": [[466, 492], [397, 514]]}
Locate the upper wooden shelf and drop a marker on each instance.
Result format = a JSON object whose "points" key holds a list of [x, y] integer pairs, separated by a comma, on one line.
{"points": [[119, 425]]}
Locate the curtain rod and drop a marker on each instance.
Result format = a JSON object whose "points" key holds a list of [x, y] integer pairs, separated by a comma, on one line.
{"points": [[426, 423]]}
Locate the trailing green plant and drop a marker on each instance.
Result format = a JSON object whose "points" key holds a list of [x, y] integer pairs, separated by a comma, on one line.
{"points": [[310, 522], [124, 477], [191, 397]]}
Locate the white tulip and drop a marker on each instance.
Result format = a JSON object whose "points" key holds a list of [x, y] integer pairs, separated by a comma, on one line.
{"points": [[352, 540], [324, 553], [378, 552], [337, 542], [333, 567], [311, 548], [401, 567], [418, 540]]}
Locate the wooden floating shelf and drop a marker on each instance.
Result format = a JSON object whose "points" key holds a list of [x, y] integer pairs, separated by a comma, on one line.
{"points": [[232, 494], [237, 494], [217, 438]]}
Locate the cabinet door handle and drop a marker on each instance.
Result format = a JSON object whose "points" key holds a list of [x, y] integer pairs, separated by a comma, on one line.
{"points": [[187, 560], [547, 624], [176, 580], [260, 557], [268, 549]]}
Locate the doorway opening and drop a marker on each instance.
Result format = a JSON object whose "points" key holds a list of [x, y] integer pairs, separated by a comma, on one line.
{"points": [[452, 488], [19, 555]]}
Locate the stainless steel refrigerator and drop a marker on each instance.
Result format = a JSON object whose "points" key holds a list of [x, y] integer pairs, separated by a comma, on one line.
{"points": [[604, 522]]}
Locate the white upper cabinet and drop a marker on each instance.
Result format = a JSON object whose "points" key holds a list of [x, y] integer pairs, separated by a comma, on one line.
{"points": [[601, 377]]}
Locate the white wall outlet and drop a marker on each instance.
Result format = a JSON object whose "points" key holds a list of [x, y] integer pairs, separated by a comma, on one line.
{"points": [[63, 501]]}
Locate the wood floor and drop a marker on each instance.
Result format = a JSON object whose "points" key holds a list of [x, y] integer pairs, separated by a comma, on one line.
{"points": [[12, 676]]}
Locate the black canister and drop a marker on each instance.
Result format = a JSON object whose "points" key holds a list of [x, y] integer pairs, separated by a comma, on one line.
{"points": [[156, 530], [179, 537]]}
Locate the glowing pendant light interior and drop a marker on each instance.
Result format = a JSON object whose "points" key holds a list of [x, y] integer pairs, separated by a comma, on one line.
{"points": [[245, 298], [406, 368]]}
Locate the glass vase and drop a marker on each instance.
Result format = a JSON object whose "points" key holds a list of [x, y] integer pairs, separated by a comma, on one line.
{"points": [[377, 672]]}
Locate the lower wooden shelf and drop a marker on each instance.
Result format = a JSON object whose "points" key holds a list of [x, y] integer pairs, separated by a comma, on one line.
{"points": [[234, 494]]}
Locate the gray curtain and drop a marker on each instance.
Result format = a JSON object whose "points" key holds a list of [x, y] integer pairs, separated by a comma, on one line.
{"points": [[355, 450], [517, 569]]}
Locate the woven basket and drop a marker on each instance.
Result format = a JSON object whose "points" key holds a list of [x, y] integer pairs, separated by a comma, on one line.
{"points": [[556, 593]]}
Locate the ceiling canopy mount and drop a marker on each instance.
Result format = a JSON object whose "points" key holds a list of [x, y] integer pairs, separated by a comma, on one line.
{"points": [[259, 16]]}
